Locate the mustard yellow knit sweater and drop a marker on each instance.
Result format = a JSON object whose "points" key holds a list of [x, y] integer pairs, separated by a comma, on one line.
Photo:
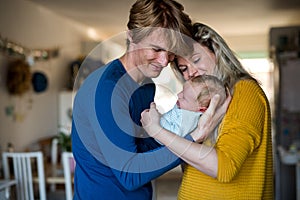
{"points": [[244, 149]]}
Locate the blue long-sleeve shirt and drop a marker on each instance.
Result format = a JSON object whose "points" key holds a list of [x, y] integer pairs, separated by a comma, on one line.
{"points": [[115, 158]]}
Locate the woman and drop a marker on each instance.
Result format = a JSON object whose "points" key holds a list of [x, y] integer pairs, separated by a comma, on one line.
{"points": [[239, 166]]}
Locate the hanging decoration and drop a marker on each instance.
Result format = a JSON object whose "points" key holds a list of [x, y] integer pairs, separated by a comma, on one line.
{"points": [[18, 83], [12, 48], [39, 82], [18, 79], [18, 107]]}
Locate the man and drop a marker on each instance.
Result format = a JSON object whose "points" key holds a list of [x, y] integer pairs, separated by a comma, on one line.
{"points": [[115, 158]]}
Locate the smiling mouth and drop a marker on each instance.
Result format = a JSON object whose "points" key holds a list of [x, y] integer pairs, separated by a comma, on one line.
{"points": [[156, 68]]}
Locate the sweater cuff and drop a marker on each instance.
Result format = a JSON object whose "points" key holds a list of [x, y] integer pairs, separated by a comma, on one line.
{"points": [[189, 137]]}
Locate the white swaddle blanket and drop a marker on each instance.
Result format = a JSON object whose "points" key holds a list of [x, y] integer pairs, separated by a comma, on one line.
{"points": [[180, 121]]}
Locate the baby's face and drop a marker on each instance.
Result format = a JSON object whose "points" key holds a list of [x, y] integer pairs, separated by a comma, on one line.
{"points": [[187, 98]]}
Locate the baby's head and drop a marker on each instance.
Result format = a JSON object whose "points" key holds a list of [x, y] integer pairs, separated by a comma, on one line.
{"points": [[198, 91]]}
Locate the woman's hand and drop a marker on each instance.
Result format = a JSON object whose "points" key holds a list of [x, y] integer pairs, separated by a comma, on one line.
{"points": [[150, 119], [210, 118]]}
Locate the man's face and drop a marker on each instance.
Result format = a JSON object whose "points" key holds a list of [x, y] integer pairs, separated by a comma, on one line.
{"points": [[151, 54]]}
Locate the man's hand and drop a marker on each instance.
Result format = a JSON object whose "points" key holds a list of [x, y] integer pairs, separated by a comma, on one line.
{"points": [[150, 120]]}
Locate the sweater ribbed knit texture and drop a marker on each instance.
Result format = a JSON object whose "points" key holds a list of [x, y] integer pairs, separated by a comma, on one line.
{"points": [[244, 150]]}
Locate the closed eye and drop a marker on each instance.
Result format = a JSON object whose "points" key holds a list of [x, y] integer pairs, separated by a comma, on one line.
{"points": [[196, 60], [182, 68], [157, 49]]}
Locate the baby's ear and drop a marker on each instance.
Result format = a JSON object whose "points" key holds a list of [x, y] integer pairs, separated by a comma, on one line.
{"points": [[202, 109]]}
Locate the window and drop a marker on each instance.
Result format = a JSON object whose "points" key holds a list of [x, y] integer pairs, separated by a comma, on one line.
{"points": [[262, 70]]}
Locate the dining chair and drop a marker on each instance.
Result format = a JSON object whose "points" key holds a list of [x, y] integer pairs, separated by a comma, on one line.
{"points": [[68, 166], [54, 163], [154, 192], [54, 151], [25, 165]]}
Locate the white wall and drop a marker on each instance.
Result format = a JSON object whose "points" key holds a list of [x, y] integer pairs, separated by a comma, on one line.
{"points": [[256, 43], [35, 28]]}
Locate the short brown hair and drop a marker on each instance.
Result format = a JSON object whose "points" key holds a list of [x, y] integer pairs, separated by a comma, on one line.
{"points": [[167, 14]]}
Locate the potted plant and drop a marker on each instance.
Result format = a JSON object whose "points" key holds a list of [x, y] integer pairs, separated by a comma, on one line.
{"points": [[64, 140]]}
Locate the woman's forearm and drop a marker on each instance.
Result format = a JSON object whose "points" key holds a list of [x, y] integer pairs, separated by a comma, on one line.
{"points": [[202, 157], [198, 155]]}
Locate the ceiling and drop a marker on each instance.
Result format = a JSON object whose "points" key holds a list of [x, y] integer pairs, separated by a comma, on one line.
{"points": [[228, 17]]}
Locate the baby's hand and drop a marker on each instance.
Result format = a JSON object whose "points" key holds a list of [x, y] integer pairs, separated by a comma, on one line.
{"points": [[150, 120]]}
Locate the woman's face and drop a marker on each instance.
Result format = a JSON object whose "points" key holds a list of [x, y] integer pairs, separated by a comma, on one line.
{"points": [[202, 61]]}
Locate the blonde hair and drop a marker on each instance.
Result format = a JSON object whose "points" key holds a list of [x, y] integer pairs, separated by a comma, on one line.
{"points": [[167, 14], [211, 86], [228, 68]]}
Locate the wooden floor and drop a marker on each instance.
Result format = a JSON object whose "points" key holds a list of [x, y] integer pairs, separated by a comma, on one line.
{"points": [[166, 187], [168, 184]]}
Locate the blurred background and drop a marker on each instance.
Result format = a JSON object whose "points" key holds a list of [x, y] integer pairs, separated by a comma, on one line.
{"points": [[44, 43]]}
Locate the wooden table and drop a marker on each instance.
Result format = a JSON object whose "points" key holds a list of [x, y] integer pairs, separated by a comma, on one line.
{"points": [[54, 175]]}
